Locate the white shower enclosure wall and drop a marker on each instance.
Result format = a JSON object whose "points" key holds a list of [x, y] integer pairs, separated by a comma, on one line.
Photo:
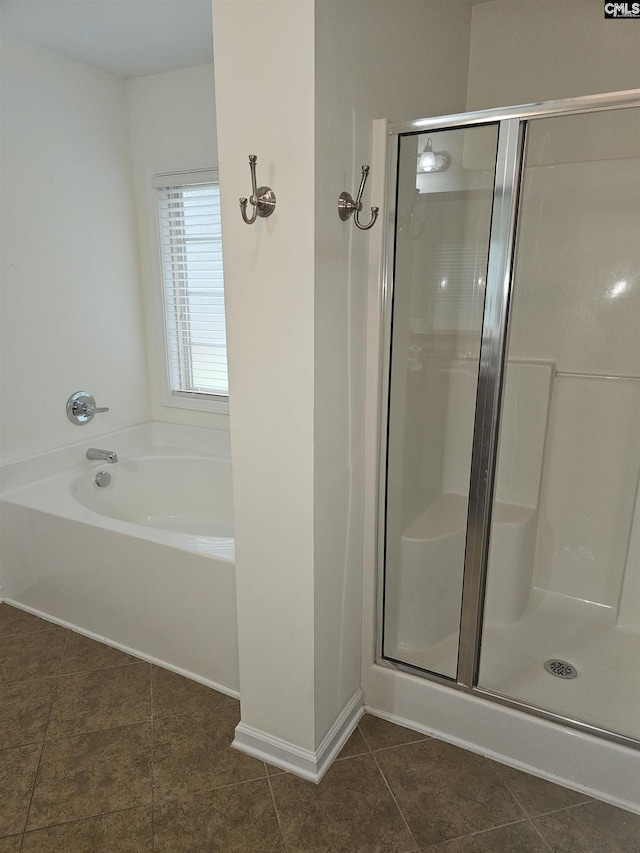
{"points": [[509, 528]]}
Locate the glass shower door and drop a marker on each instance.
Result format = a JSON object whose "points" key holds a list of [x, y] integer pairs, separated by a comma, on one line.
{"points": [[561, 628], [444, 204]]}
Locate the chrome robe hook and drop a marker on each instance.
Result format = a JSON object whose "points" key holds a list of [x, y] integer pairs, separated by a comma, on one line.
{"points": [[347, 206], [262, 199]]}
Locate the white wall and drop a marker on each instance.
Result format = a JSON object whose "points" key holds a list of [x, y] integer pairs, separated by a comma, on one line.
{"points": [[297, 322], [71, 308], [265, 104], [524, 51], [373, 60], [173, 126]]}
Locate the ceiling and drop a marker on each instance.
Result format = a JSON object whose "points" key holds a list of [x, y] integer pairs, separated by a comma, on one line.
{"points": [[130, 38]]}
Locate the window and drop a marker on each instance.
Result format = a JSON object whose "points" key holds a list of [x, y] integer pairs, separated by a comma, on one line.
{"points": [[192, 281]]}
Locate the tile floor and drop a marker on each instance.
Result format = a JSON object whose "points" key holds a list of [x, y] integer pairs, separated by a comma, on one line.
{"points": [[103, 753]]}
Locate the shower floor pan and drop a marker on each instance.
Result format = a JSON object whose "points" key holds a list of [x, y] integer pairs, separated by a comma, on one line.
{"points": [[585, 635], [606, 657]]}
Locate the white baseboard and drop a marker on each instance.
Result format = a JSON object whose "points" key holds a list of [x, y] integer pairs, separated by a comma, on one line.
{"points": [[302, 762]]}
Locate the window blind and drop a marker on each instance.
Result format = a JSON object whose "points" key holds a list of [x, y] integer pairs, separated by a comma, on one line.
{"points": [[457, 288], [193, 285]]}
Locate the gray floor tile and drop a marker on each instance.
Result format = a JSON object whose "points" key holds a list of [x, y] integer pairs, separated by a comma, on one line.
{"points": [[173, 694], [515, 838], [592, 828], [446, 792], [92, 792], [83, 653], [92, 774], [24, 711], [127, 831], [238, 819], [380, 734], [350, 810], [536, 795], [101, 699], [356, 745], [27, 656], [193, 754], [15, 621], [18, 768]]}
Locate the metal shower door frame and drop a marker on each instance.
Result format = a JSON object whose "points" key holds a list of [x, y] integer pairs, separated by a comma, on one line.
{"points": [[510, 155]]}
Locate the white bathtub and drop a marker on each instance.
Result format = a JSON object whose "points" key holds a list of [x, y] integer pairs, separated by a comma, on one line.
{"points": [[177, 492], [145, 563]]}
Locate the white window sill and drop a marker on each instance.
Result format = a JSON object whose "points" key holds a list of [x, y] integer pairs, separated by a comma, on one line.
{"points": [[196, 404]]}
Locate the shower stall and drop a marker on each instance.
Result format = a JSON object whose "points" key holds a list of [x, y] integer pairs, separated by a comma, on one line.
{"points": [[509, 518]]}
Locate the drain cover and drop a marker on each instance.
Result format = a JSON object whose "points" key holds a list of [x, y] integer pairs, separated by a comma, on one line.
{"points": [[560, 668]]}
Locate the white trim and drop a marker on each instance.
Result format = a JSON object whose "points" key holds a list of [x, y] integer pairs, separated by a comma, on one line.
{"points": [[302, 762], [123, 648], [167, 177], [194, 404]]}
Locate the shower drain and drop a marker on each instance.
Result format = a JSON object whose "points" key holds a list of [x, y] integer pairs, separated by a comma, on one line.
{"points": [[560, 668]]}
